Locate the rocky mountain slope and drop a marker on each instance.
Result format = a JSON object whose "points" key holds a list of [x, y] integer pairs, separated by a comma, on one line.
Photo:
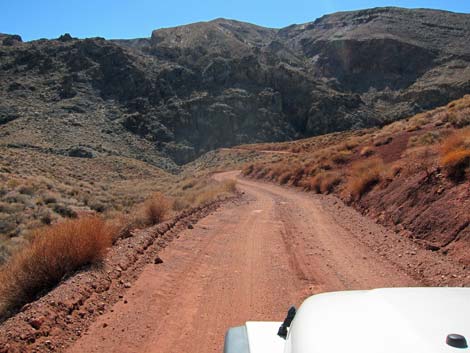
{"points": [[186, 90]]}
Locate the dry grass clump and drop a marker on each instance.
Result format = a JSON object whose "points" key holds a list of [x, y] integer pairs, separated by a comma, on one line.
{"points": [[341, 157], [455, 154], [229, 186], [383, 141], [323, 182], [426, 139], [53, 253], [248, 169], [458, 112], [364, 175], [366, 151], [458, 118], [456, 164], [205, 190], [457, 141], [155, 209]]}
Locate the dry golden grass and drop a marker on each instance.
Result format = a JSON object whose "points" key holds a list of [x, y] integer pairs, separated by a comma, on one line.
{"points": [[456, 164], [323, 182], [455, 154], [365, 174], [458, 112], [367, 151], [229, 186], [203, 191], [457, 141], [54, 252], [341, 157], [155, 209]]}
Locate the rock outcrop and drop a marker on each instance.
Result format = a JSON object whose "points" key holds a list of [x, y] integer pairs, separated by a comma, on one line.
{"points": [[187, 90]]}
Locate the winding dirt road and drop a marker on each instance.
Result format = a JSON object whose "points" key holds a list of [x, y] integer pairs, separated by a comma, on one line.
{"points": [[248, 261]]}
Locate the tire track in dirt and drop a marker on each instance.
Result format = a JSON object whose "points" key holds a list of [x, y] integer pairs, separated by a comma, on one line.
{"points": [[251, 261]]}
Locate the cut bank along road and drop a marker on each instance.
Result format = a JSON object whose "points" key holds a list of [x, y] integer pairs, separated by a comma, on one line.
{"points": [[250, 260]]}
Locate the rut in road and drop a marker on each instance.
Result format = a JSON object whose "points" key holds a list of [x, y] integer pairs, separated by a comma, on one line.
{"points": [[246, 261]]}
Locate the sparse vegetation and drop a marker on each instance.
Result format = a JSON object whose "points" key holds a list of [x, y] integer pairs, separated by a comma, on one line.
{"points": [[155, 209], [455, 154], [323, 182], [367, 151], [53, 253], [456, 164], [365, 174]]}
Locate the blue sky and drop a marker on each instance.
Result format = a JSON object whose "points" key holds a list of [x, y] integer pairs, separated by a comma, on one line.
{"points": [[34, 19]]}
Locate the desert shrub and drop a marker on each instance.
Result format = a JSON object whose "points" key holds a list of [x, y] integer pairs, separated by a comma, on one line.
{"points": [[97, 206], [13, 183], [204, 191], [341, 157], [350, 144], [428, 138], [456, 164], [457, 141], [180, 204], [229, 186], [16, 197], [324, 182], [64, 211], [189, 184], [26, 189], [7, 223], [155, 209], [366, 151], [6, 207], [49, 198], [458, 118], [284, 177], [54, 252], [364, 175], [383, 141], [248, 169], [261, 172], [455, 154]]}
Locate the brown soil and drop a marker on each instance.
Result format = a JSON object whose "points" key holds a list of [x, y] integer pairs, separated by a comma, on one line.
{"points": [[60, 317], [250, 260]]}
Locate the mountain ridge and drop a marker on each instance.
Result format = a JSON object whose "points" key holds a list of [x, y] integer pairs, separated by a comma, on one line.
{"points": [[189, 89]]}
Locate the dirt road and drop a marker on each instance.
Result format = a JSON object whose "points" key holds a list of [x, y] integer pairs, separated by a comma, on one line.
{"points": [[251, 261]]}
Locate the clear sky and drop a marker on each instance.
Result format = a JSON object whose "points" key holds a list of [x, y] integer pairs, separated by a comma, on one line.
{"points": [[33, 19]]}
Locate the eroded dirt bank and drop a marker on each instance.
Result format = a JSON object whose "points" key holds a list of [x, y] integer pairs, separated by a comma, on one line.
{"points": [[60, 317], [251, 260]]}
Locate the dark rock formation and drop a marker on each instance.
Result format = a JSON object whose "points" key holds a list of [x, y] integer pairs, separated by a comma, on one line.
{"points": [[189, 89]]}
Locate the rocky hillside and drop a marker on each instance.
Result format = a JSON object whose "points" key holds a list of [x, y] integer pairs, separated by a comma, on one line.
{"points": [[186, 90]]}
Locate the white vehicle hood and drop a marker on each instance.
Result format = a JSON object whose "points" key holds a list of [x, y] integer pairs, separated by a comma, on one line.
{"points": [[397, 320], [263, 338]]}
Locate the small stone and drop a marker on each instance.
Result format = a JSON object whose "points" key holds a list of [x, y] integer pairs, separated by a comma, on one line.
{"points": [[190, 226], [127, 285], [158, 260], [105, 325], [36, 322]]}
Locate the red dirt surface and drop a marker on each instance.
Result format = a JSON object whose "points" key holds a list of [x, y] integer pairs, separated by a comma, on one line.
{"points": [[252, 259], [60, 317]]}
